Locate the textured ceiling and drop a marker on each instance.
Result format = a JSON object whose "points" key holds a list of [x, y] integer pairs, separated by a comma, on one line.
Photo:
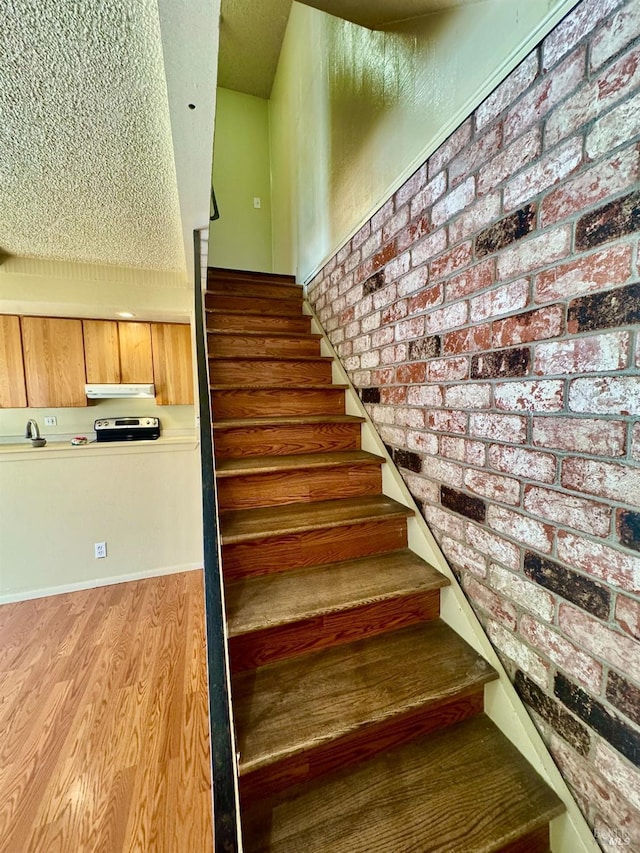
{"points": [[251, 33], [86, 158]]}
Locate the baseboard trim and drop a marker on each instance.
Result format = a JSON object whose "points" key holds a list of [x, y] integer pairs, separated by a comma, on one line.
{"points": [[27, 595]]}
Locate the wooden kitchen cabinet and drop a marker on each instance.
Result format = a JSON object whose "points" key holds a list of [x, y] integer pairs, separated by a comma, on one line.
{"points": [[101, 351], [53, 361], [13, 392], [172, 363], [136, 361]]}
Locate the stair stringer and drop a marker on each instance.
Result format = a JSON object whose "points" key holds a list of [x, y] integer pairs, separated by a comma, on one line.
{"points": [[569, 832]]}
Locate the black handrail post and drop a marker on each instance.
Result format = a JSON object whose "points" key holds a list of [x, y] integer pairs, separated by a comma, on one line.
{"points": [[223, 766]]}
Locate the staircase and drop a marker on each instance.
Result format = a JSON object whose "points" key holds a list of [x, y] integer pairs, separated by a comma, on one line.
{"points": [[358, 712]]}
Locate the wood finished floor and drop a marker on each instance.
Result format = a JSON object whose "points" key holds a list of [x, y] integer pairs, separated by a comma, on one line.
{"points": [[104, 743]]}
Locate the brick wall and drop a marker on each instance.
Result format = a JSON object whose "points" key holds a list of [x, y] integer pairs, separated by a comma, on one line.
{"points": [[487, 314]]}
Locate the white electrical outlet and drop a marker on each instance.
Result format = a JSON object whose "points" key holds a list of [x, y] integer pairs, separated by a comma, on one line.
{"points": [[101, 550], [257, 202], [51, 420]]}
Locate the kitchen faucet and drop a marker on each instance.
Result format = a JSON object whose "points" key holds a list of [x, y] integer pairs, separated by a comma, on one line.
{"points": [[33, 432]]}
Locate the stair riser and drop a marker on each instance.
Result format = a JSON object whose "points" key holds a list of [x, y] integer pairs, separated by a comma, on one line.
{"points": [[242, 442], [254, 304], [225, 346], [285, 487], [251, 288], [246, 372], [258, 323], [277, 403], [333, 629], [364, 743], [535, 842], [312, 547], [221, 274]]}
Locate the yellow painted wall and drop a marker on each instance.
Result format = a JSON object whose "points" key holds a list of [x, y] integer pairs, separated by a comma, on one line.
{"points": [[353, 112], [241, 238]]}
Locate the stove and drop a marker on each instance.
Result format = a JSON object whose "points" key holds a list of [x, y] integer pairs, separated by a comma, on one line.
{"points": [[127, 429]]}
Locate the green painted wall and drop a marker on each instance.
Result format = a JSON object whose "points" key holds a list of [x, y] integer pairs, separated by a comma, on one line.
{"points": [[241, 238]]}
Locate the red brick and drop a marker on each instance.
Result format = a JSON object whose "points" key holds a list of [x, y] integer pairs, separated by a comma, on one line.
{"points": [[393, 396], [394, 354], [425, 395], [429, 247], [596, 560], [428, 195], [497, 488], [628, 615], [511, 428], [410, 329], [451, 261], [363, 272], [551, 89], [353, 261], [552, 169], [476, 217], [382, 337], [384, 297], [382, 215], [385, 255], [568, 510], [607, 178], [532, 326], [537, 396], [361, 236], [582, 20], [532, 254], [602, 438], [522, 655], [397, 267], [514, 85], [426, 298], [607, 395], [445, 521], [524, 530], [371, 322], [411, 186], [448, 421], [414, 231], [500, 300], [526, 464], [576, 111], [635, 442], [443, 471], [526, 594], [393, 436], [458, 140], [455, 201], [508, 162], [623, 777], [474, 278], [608, 480], [583, 355], [369, 358], [473, 339], [448, 369], [611, 646], [372, 244], [383, 376], [614, 128], [564, 654], [423, 442], [447, 318], [615, 34], [472, 452], [464, 557], [394, 312], [584, 274], [468, 396], [410, 417], [395, 223], [503, 611], [493, 546], [411, 373], [474, 154]]}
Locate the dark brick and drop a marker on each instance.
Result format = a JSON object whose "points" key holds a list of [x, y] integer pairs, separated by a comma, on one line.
{"points": [[373, 283], [370, 395], [620, 307], [425, 348], [407, 459], [628, 524], [564, 724], [624, 695], [504, 362], [612, 220], [582, 591], [507, 231], [474, 508], [389, 449], [618, 733]]}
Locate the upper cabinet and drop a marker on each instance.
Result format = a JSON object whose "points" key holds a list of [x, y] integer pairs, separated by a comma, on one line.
{"points": [[136, 362], [54, 361], [172, 364], [13, 393], [117, 352]]}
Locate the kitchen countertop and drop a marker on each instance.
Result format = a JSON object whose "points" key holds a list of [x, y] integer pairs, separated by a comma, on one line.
{"points": [[24, 451]]}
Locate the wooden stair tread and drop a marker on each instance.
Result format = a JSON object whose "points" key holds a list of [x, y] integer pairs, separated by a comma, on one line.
{"points": [[294, 296], [288, 707], [294, 462], [215, 311], [286, 420], [249, 524], [294, 336], [278, 387], [322, 359], [279, 599], [222, 273], [464, 789]]}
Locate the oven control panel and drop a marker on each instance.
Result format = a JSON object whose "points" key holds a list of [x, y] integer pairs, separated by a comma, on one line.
{"points": [[127, 429]]}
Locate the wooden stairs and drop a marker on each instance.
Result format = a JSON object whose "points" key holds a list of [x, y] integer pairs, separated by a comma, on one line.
{"points": [[358, 712]]}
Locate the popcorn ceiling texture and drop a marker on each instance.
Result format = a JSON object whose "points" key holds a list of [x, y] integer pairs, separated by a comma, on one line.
{"points": [[86, 158], [488, 315]]}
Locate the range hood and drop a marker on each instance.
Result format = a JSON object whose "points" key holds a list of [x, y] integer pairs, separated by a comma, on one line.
{"points": [[120, 392]]}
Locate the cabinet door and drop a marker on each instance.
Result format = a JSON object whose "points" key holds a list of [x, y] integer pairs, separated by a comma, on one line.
{"points": [[136, 362], [172, 365], [13, 392], [101, 351], [53, 361]]}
